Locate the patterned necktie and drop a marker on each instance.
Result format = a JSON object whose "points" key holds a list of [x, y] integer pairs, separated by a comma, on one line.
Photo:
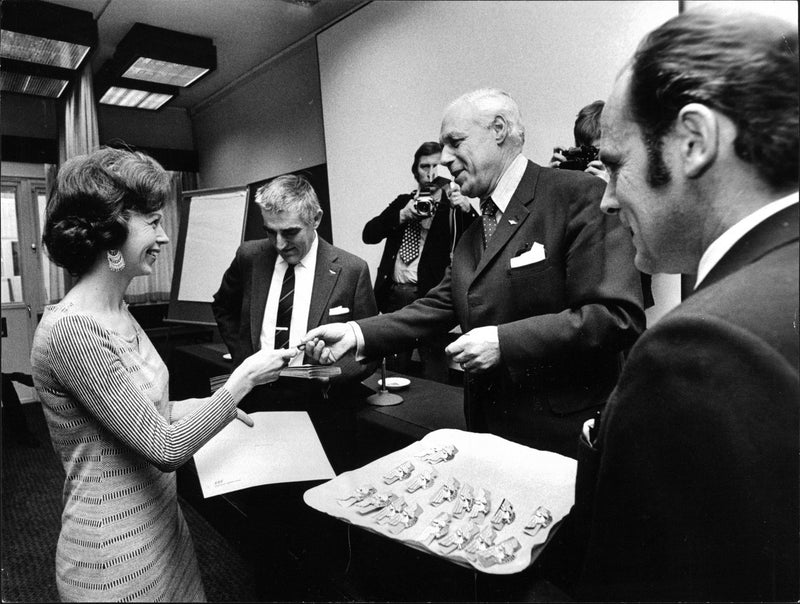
{"points": [[409, 246], [488, 211], [284, 318]]}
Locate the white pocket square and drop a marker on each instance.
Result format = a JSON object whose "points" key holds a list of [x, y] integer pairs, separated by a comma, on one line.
{"points": [[535, 254], [338, 310]]}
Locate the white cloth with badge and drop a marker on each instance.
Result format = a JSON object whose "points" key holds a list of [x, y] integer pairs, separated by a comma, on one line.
{"points": [[525, 477]]}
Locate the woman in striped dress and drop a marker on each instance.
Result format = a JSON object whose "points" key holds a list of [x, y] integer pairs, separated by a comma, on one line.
{"points": [[104, 391]]}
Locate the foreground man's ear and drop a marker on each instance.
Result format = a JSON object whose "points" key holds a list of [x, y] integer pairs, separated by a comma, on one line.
{"points": [[698, 128]]}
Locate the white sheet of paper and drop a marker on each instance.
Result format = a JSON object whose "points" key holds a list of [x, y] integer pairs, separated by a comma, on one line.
{"points": [[210, 249], [282, 446]]}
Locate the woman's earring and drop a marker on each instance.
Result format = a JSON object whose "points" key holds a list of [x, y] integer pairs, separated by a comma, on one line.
{"points": [[115, 260]]}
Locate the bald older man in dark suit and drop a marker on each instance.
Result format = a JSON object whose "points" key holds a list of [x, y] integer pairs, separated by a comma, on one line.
{"points": [[543, 287]]}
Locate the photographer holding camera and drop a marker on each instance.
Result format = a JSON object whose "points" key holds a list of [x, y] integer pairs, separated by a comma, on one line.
{"points": [[583, 156], [421, 229]]}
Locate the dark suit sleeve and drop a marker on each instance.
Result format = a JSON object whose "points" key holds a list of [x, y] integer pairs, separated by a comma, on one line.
{"points": [[602, 312], [363, 306], [380, 227], [422, 318], [364, 299], [227, 305], [696, 493]]}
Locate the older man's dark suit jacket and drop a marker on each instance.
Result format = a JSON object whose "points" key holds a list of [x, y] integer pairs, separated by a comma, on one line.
{"points": [[691, 491], [563, 322], [341, 281]]}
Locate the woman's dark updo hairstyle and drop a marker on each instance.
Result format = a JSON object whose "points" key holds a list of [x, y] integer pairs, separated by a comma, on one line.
{"points": [[89, 209]]}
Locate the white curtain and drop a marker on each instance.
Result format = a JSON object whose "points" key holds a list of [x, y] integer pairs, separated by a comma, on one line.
{"points": [[77, 135], [79, 132], [56, 276]]}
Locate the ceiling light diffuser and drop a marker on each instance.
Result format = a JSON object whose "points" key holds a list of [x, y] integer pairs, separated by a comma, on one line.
{"points": [[163, 56], [44, 51]]}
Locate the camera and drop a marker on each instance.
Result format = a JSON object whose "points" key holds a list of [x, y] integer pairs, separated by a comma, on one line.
{"points": [[578, 158], [425, 204]]}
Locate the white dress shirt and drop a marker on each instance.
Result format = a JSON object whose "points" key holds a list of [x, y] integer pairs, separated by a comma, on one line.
{"points": [[507, 185], [303, 287], [722, 244]]}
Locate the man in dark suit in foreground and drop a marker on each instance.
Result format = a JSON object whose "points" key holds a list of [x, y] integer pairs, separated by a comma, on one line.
{"points": [[689, 492], [546, 308]]}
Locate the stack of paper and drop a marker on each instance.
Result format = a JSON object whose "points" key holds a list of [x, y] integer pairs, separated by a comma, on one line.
{"points": [[311, 371]]}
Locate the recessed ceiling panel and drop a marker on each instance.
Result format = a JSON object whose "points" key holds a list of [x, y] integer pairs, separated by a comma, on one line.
{"points": [[164, 72], [129, 97], [55, 53], [31, 84]]}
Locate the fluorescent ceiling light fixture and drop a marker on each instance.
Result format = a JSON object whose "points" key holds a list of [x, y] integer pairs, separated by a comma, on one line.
{"points": [[32, 84], [163, 56], [31, 78], [126, 92], [43, 45], [137, 99], [164, 72], [44, 51], [43, 33]]}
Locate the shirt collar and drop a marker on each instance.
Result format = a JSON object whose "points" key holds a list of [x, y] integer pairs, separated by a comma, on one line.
{"points": [[722, 244], [509, 182]]}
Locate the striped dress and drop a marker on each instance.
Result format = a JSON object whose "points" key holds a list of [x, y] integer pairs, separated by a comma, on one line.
{"points": [[123, 536]]}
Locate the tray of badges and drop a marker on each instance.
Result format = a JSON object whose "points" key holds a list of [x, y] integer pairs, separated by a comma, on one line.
{"points": [[477, 500]]}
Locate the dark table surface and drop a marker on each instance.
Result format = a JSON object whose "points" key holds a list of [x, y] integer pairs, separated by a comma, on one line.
{"points": [[426, 406]]}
